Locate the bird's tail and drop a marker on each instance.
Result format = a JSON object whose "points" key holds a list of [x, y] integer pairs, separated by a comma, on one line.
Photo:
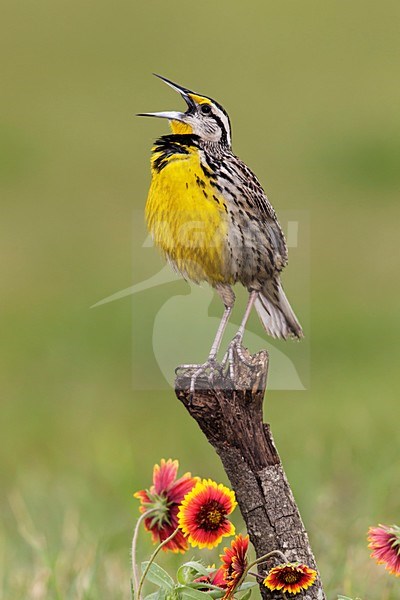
{"points": [[276, 314]]}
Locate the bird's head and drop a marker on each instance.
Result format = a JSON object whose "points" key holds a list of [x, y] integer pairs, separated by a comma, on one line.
{"points": [[204, 117]]}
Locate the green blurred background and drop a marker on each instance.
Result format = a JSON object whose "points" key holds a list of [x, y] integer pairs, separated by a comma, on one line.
{"points": [[313, 92]]}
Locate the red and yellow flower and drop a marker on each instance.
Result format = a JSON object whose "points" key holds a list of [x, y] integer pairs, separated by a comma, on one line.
{"points": [[234, 563], [216, 577], [203, 514], [290, 577], [163, 499], [385, 545]]}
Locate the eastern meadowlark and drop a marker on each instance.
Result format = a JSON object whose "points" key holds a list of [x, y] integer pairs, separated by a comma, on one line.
{"points": [[208, 213]]}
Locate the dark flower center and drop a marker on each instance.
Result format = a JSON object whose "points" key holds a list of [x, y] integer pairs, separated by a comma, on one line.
{"points": [[289, 576], [211, 516]]}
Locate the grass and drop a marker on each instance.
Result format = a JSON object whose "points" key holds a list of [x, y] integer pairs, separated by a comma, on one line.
{"points": [[312, 90]]}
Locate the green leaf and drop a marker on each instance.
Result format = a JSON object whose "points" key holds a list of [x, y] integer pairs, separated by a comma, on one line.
{"points": [[188, 593], [247, 585], [340, 597], [158, 595], [190, 571], [247, 595], [158, 576], [216, 594]]}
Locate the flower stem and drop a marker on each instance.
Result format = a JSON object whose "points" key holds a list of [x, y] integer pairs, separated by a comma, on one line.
{"points": [[256, 575], [151, 559], [135, 574], [258, 561]]}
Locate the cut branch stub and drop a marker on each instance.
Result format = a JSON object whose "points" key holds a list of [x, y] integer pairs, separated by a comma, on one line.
{"points": [[230, 416]]}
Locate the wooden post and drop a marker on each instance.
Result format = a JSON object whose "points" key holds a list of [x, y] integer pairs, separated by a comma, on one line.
{"points": [[231, 418]]}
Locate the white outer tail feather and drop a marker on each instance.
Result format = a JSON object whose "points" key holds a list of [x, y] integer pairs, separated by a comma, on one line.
{"points": [[278, 320]]}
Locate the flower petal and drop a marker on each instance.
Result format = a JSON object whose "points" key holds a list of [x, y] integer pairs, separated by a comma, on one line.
{"points": [[203, 514], [290, 577], [164, 475], [385, 546], [181, 487], [234, 562], [163, 499]]}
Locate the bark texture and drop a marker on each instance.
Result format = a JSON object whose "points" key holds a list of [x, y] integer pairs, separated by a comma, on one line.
{"points": [[231, 418]]}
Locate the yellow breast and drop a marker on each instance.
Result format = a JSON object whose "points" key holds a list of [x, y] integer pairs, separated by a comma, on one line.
{"points": [[187, 216]]}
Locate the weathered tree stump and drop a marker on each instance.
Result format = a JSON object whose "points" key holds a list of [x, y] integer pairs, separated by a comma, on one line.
{"points": [[231, 418]]}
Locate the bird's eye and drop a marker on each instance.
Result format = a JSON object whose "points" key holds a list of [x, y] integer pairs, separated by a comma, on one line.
{"points": [[205, 109]]}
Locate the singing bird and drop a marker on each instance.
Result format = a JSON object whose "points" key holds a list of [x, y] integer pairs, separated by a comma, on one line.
{"points": [[212, 220]]}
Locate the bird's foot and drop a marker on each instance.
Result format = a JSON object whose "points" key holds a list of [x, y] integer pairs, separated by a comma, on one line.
{"points": [[232, 371], [208, 370], [235, 356]]}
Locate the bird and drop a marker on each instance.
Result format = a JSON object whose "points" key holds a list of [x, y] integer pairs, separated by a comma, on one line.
{"points": [[210, 217]]}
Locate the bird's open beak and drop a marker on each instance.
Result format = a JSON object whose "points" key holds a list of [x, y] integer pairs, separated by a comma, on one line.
{"points": [[173, 115]]}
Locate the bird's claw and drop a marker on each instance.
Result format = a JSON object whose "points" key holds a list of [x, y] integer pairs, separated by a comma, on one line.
{"points": [[229, 368], [235, 347], [209, 369]]}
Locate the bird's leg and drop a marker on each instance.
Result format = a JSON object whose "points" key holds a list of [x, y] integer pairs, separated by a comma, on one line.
{"points": [[228, 297], [211, 364], [252, 298], [236, 343], [220, 332], [216, 343]]}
